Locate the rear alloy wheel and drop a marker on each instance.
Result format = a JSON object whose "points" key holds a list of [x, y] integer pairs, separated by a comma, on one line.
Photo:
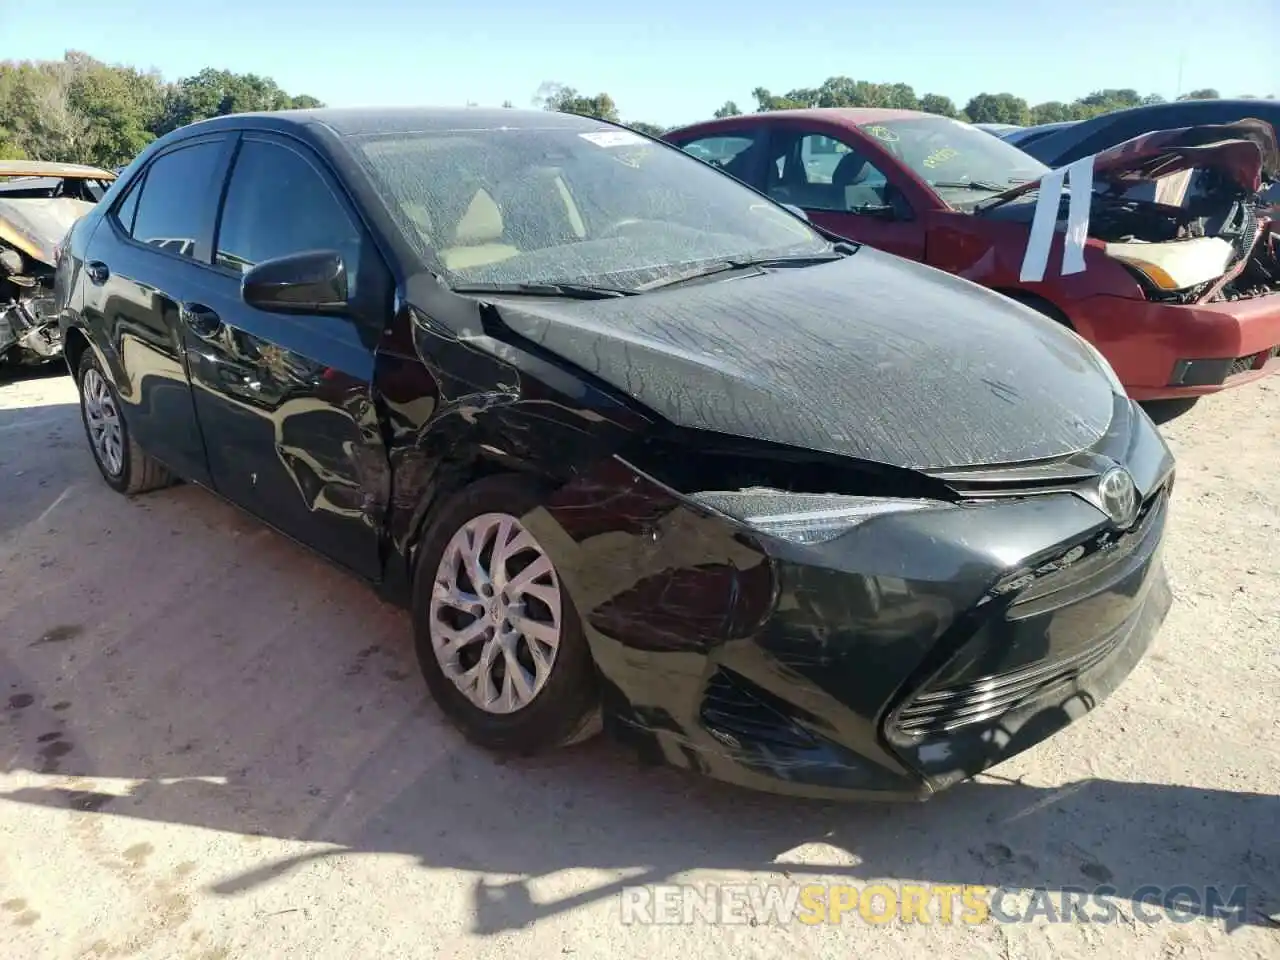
{"points": [[498, 640], [122, 463]]}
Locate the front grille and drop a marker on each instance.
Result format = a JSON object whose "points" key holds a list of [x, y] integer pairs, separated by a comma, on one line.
{"points": [[942, 711], [947, 705], [1101, 553], [1254, 361]]}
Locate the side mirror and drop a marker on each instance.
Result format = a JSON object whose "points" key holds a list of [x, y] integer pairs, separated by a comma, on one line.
{"points": [[310, 282], [797, 211]]}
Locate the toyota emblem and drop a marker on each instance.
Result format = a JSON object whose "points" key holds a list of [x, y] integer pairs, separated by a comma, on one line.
{"points": [[1118, 497]]}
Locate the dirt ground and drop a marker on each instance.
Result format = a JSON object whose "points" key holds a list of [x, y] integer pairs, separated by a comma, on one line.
{"points": [[214, 745]]}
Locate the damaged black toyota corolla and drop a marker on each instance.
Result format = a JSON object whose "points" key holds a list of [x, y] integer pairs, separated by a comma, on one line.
{"points": [[638, 447]]}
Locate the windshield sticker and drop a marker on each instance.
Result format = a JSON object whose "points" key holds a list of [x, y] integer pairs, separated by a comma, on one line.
{"points": [[940, 156], [882, 133], [1045, 221], [614, 138]]}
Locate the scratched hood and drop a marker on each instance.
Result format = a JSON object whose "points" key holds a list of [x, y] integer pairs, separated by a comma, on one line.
{"points": [[871, 357], [35, 225], [1245, 152]]}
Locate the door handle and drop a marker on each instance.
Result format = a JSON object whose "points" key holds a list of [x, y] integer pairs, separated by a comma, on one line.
{"points": [[202, 321], [98, 272]]}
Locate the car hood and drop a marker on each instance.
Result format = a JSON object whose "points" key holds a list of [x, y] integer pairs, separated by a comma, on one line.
{"points": [[872, 357], [36, 225], [1244, 151]]}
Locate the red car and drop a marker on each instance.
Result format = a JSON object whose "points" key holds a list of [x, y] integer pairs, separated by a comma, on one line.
{"points": [[1156, 251]]}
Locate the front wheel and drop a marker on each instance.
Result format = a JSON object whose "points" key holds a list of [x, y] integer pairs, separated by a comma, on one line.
{"points": [[123, 464], [498, 640]]}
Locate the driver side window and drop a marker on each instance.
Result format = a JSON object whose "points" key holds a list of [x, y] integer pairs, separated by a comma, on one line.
{"points": [[816, 171]]}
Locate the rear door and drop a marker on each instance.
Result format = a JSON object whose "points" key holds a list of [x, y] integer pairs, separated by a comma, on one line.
{"points": [[142, 261], [285, 399]]}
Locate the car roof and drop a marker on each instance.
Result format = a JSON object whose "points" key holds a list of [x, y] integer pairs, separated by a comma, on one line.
{"points": [[43, 168], [366, 121], [841, 116]]}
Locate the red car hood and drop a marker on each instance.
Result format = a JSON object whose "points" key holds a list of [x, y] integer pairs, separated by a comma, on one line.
{"points": [[1245, 151]]}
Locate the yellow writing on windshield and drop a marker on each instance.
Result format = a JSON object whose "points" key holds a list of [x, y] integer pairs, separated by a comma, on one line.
{"points": [[882, 133], [940, 156]]}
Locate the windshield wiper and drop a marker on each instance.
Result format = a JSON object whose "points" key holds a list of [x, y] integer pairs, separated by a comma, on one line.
{"points": [[973, 184], [838, 252], [573, 291]]}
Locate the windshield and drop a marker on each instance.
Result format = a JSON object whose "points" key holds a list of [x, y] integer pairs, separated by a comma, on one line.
{"points": [[962, 163], [571, 205]]}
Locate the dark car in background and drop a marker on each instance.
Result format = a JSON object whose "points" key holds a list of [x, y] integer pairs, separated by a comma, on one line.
{"points": [[632, 442], [1021, 137], [1085, 137]]}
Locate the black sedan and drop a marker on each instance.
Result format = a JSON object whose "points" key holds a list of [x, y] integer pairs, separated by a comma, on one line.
{"points": [[638, 447]]}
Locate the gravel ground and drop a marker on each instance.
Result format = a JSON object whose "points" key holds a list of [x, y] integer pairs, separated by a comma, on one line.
{"points": [[215, 745]]}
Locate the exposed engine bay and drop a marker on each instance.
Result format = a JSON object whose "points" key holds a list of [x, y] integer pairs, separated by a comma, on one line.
{"points": [[28, 324], [1183, 210]]}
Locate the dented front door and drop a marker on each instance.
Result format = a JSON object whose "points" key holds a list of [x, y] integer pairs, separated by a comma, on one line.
{"points": [[285, 400]]}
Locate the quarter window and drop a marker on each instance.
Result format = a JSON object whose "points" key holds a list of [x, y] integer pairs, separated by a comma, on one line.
{"points": [[170, 213], [732, 153], [278, 204]]}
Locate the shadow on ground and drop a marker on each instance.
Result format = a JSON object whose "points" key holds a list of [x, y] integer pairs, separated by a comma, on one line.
{"points": [[1166, 411]]}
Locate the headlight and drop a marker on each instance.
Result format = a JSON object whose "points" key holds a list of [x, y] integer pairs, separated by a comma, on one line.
{"points": [[805, 517]]}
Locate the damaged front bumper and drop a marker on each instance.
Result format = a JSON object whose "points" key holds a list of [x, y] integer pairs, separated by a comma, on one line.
{"points": [[891, 662], [1164, 351]]}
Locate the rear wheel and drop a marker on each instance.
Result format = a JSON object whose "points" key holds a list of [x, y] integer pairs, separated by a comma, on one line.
{"points": [[123, 464], [498, 640]]}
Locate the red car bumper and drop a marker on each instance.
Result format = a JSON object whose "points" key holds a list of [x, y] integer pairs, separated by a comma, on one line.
{"points": [[1162, 351]]}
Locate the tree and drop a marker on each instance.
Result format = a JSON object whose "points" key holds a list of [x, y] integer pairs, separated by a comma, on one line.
{"points": [[1208, 93], [998, 108], [730, 109], [767, 101], [562, 99], [652, 129], [936, 103], [82, 109], [508, 105]]}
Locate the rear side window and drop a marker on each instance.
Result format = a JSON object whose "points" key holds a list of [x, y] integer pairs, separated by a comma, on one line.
{"points": [[128, 205], [279, 204], [174, 198]]}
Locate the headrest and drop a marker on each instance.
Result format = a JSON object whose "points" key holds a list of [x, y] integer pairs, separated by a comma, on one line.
{"points": [[851, 168], [482, 223]]}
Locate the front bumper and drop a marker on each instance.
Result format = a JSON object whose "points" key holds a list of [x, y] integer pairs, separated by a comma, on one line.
{"points": [[1164, 351], [889, 663]]}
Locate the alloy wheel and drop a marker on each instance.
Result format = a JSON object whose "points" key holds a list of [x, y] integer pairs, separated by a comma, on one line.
{"points": [[103, 419], [496, 614]]}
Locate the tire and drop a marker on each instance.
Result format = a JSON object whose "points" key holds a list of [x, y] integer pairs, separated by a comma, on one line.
{"points": [[100, 411], [564, 709]]}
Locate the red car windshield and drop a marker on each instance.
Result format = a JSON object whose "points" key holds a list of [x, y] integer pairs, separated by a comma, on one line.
{"points": [[955, 158]]}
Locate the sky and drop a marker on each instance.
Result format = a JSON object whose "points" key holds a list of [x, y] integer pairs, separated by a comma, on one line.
{"points": [[670, 61]]}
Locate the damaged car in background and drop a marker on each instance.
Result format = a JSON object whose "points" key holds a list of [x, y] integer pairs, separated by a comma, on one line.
{"points": [[38, 204], [638, 447], [1160, 251]]}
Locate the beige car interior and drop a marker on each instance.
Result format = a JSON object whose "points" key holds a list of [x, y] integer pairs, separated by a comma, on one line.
{"points": [[480, 235]]}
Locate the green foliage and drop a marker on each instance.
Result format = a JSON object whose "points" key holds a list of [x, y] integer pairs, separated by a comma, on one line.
{"points": [[652, 129], [730, 109], [562, 99], [83, 110]]}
